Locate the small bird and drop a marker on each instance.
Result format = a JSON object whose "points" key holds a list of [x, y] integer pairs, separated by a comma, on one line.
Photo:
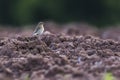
{"points": [[39, 29]]}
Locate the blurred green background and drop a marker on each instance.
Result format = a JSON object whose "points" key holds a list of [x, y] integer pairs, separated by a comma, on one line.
{"points": [[22, 12]]}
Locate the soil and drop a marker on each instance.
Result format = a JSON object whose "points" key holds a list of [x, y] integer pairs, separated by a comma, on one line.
{"points": [[71, 52]]}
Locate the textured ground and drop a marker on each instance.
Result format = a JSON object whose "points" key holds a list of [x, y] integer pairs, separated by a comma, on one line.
{"points": [[73, 52]]}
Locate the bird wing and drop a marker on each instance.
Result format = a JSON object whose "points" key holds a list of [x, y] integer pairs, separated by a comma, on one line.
{"points": [[36, 30]]}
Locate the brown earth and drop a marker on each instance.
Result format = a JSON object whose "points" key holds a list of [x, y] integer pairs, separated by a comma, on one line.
{"points": [[73, 52]]}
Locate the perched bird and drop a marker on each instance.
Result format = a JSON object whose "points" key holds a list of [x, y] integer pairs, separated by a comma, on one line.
{"points": [[39, 29]]}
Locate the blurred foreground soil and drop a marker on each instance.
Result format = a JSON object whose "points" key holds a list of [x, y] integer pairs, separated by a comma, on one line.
{"points": [[70, 52]]}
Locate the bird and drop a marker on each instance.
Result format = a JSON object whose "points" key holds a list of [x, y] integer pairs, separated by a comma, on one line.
{"points": [[39, 29]]}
